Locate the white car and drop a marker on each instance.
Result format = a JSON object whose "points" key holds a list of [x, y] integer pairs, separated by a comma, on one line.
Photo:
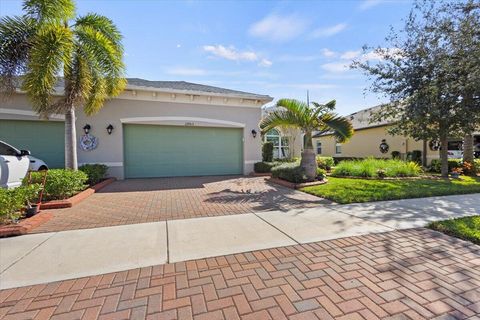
{"points": [[14, 165], [37, 164]]}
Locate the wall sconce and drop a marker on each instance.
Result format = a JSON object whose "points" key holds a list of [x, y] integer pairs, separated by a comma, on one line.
{"points": [[110, 129], [87, 128], [254, 133]]}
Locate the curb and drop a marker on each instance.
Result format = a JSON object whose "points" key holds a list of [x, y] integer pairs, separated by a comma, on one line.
{"points": [[296, 185], [25, 225]]}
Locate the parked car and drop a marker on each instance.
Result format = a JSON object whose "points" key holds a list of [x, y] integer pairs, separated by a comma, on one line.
{"points": [[37, 164], [14, 165]]}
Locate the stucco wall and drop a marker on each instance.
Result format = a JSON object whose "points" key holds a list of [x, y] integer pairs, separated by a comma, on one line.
{"points": [[366, 142], [110, 147]]}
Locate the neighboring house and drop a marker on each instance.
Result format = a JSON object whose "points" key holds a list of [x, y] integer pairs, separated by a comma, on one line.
{"points": [[373, 140], [157, 129]]}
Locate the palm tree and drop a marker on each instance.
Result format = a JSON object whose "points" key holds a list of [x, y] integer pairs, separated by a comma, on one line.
{"points": [[320, 117], [47, 44]]}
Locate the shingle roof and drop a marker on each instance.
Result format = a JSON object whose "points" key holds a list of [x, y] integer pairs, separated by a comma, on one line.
{"points": [[361, 120], [183, 86]]}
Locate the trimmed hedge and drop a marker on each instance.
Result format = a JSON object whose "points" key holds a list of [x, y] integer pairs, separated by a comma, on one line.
{"points": [[13, 201], [264, 167], [291, 172], [267, 152], [61, 183], [325, 162], [95, 172]]}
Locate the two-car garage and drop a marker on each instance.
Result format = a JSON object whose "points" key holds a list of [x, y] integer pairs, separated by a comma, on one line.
{"points": [[166, 151]]}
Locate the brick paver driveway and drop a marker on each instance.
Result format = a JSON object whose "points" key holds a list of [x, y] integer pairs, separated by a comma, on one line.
{"points": [[410, 274], [148, 200]]}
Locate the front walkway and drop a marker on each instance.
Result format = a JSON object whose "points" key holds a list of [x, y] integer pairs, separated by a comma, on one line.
{"points": [[40, 258], [160, 199], [411, 274]]}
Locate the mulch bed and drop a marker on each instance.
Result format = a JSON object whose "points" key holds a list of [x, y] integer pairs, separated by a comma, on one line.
{"points": [[70, 202]]}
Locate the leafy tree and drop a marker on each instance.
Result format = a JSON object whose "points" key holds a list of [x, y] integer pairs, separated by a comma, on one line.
{"points": [[431, 72], [298, 114], [47, 43]]}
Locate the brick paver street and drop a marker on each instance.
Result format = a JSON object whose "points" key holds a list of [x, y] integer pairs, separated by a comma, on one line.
{"points": [[148, 200], [410, 274]]}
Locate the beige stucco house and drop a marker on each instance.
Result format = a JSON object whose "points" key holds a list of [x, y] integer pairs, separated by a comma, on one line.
{"points": [[373, 140], [160, 128]]}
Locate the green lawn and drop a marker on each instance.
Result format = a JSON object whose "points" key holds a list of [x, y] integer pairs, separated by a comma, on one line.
{"points": [[345, 190], [467, 228]]}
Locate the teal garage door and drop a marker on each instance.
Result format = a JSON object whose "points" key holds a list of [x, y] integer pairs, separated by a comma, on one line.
{"points": [[44, 139], [170, 151]]}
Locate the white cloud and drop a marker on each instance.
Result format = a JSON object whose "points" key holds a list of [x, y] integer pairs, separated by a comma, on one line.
{"points": [[335, 67], [278, 28], [367, 4], [231, 53], [328, 53], [349, 55], [265, 63], [182, 71], [329, 31]]}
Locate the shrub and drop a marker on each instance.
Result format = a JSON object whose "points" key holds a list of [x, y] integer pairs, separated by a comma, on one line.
{"points": [[267, 152], [476, 165], [415, 156], [264, 167], [395, 154], [291, 172], [436, 165], [61, 183], [377, 168], [286, 160], [95, 172], [13, 201], [325, 162], [321, 173]]}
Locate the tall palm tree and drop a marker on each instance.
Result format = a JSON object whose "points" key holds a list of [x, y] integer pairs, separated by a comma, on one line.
{"points": [[320, 117], [47, 44]]}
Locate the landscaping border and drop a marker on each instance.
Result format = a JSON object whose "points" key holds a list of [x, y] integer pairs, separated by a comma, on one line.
{"points": [[261, 174], [70, 202], [25, 225], [293, 185]]}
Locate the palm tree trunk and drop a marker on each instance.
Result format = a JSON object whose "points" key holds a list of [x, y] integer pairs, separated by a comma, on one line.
{"points": [[444, 153], [70, 140], [309, 163], [468, 148]]}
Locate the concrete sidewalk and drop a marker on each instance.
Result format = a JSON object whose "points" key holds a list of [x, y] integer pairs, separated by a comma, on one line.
{"points": [[48, 257]]}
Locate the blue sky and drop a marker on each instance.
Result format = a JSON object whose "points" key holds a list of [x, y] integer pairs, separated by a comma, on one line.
{"points": [[278, 48]]}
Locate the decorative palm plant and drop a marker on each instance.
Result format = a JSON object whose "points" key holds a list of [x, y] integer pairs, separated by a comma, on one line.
{"points": [[309, 119], [48, 44]]}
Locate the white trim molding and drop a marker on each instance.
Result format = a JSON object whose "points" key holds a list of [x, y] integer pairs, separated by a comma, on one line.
{"points": [[20, 112], [252, 161], [186, 121], [108, 164]]}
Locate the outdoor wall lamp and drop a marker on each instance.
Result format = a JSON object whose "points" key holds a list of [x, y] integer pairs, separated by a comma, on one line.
{"points": [[110, 129], [254, 133], [87, 128]]}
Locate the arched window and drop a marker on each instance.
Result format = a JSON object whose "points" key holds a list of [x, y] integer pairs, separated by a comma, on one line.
{"points": [[280, 144]]}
